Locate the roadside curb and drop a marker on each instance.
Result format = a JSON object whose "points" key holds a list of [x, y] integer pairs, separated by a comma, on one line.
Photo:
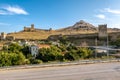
{"points": [[58, 64]]}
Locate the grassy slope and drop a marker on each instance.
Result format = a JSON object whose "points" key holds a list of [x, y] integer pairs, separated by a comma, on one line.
{"points": [[43, 34], [46, 34]]}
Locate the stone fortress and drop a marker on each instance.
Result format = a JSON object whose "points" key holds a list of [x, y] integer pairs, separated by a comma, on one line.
{"points": [[33, 29], [30, 29], [87, 38], [5, 36], [101, 36]]}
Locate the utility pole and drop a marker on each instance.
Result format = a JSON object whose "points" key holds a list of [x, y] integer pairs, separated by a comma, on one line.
{"points": [[96, 48], [107, 46]]}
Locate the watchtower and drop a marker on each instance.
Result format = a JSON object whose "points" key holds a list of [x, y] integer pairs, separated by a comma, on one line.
{"points": [[3, 36], [32, 27], [102, 31]]}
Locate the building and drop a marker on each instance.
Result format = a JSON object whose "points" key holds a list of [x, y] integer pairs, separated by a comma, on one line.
{"points": [[55, 43], [43, 46], [34, 50], [3, 36], [29, 29]]}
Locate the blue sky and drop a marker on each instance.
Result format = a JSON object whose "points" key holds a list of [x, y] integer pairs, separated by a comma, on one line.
{"points": [[45, 14]]}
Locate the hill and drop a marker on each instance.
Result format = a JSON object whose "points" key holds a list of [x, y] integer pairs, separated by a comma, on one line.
{"points": [[80, 27]]}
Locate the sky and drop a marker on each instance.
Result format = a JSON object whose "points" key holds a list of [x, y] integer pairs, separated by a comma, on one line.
{"points": [[55, 14]]}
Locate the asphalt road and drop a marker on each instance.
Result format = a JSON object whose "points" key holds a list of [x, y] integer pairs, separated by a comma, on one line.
{"points": [[101, 71]]}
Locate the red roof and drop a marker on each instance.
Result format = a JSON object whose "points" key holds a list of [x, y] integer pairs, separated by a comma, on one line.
{"points": [[43, 46]]}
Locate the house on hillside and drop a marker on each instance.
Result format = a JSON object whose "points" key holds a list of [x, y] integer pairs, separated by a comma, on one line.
{"points": [[43, 46], [34, 49], [55, 43]]}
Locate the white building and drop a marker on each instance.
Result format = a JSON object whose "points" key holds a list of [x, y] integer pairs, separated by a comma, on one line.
{"points": [[34, 50]]}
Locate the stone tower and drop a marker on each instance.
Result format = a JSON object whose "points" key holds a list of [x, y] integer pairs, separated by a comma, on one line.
{"points": [[3, 36], [25, 29], [102, 31], [32, 27]]}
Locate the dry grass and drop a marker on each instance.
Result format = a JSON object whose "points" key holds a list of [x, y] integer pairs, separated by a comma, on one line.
{"points": [[46, 34]]}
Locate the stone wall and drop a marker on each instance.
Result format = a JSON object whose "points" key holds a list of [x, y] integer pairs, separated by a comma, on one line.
{"points": [[87, 39]]}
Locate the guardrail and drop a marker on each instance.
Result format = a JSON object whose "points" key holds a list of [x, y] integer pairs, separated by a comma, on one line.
{"points": [[58, 64]]}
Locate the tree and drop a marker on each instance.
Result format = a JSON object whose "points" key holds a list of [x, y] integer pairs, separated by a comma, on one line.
{"points": [[71, 55], [5, 48], [84, 52], [14, 48], [17, 59], [8, 59], [50, 54], [5, 59], [64, 41], [35, 61], [116, 42], [25, 50], [71, 47]]}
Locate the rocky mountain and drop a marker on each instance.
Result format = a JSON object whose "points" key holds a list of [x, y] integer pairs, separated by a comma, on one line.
{"points": [[81, 25]]}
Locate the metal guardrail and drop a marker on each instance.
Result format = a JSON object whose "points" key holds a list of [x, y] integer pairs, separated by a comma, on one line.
{"points": [[58, 64]]}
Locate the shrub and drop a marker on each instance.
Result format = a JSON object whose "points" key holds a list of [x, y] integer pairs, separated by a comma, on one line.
{"points": [[50, 54], [36, 61], [8, 59], [71, 55], [84, 52]]}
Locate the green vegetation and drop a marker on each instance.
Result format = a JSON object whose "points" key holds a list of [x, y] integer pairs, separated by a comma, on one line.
{"points": [[14, 54], [8, 59], [50, 54], [116, 42]]}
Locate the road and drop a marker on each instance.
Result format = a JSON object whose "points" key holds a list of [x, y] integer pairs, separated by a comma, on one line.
{"points": [[101, 71]]}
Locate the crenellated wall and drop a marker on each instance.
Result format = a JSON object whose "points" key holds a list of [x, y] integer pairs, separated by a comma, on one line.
{"points": [[29, 29]]}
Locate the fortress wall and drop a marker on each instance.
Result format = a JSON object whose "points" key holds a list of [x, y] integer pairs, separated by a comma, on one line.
{"points": [[88, 39]]}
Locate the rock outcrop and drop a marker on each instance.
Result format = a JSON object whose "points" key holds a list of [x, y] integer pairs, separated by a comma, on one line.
{"points": [[81, 25]]}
